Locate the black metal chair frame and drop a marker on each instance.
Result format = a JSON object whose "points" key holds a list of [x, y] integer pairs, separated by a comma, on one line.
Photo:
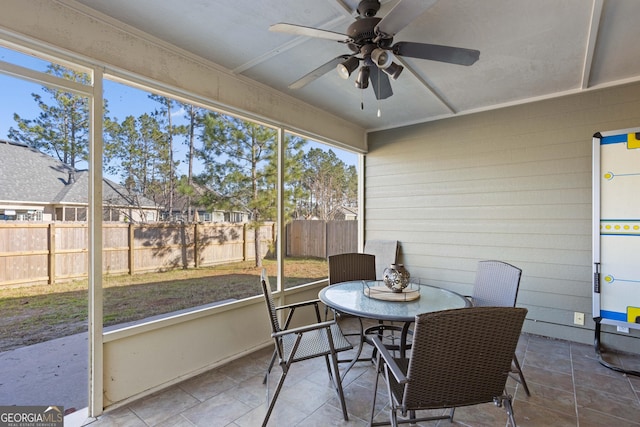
{"points": [[321, 339], [460, 357]]}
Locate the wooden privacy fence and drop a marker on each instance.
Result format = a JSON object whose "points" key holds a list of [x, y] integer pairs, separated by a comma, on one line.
{"points": [[36, 253], [314, 238]]}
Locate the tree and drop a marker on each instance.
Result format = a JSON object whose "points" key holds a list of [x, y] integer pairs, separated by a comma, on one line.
{"points": [[185, 185], [240, 165], [329, 185], [141, 151], [62, 127], [164, 117], [136, 150]]}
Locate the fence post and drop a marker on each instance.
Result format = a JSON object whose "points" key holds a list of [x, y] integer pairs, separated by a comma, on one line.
{"points": [[244, 242], [131, 246], [196, 260], [326, 238], [51, 241]]}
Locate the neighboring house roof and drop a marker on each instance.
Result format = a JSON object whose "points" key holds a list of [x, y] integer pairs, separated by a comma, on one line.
{"points": [[28, 175], [348, 210], [180, 200]]}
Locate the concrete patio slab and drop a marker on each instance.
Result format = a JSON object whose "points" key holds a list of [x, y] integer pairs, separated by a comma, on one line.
{"points": [[48, 373]]}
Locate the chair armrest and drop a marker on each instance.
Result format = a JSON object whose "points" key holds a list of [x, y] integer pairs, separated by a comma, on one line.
{"points": [[293, 306], [306, 328], [388, 359], [298, 304]]}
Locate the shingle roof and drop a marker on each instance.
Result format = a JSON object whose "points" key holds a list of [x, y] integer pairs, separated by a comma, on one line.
{"points": [[28, 175]]}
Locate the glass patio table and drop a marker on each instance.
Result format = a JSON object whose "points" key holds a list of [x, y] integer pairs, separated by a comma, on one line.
{"points": [[353, 298]]}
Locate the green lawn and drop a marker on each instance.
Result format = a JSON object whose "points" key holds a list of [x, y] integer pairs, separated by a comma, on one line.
{"points": [[32, 314]]}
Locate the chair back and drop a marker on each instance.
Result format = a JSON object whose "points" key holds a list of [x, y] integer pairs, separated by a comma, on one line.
{"points": [[268, 297], [496, 284], [385, 251], [351, 266], [461, 357]]}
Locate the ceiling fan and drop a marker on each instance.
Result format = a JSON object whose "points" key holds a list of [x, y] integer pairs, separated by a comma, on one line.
{"points": [[370, 38]]}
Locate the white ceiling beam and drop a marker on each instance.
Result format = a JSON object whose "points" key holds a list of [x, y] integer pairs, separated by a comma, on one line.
{"points": [[592, 37], [343, 7], [284, 47], [428, 85], [339, 5]]}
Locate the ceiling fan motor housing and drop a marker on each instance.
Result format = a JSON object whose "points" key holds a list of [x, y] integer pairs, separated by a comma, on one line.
{"points": [[368, 8], [362, 32]]}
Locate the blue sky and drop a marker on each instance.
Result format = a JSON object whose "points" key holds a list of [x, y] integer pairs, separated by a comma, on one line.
{"points": [[123, 101]]}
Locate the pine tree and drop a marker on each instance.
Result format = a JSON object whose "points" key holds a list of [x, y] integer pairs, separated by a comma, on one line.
{"points": [[240, 160], [62, 127]]}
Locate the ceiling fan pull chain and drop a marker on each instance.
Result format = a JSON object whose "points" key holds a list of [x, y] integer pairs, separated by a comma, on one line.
{"points": [[378, 98]]}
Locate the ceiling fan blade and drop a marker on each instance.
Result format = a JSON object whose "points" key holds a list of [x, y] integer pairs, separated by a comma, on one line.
{"points": [[380, 83], [299, 30], [434, 52], [401, 15], [318, 72]]}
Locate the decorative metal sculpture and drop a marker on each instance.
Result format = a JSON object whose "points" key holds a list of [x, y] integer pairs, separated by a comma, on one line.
{"points": [[396, 277]]}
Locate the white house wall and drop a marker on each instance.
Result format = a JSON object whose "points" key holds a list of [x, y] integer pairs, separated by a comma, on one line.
{"points": [[511, 184]]}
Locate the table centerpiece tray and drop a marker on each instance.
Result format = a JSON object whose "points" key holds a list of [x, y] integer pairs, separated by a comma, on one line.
{"points": [[382, 292]]}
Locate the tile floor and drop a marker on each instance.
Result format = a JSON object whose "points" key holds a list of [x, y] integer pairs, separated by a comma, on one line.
{"points": [[568, 385]]}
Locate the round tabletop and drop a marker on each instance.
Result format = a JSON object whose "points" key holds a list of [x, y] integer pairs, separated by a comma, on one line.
{"points": [[350, 298]]}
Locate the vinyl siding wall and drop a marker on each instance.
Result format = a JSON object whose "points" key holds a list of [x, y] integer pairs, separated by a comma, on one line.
{"points": [[512, 184]]}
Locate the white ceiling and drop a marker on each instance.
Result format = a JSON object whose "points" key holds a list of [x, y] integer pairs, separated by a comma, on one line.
{"points": [[530, 49]]}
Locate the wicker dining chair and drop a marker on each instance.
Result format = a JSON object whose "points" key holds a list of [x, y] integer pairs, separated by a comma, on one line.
{"points": [[362, 266], [346, 267], [460, 357], [496, 284], [351, 266], [320, 339], [385, 251]]}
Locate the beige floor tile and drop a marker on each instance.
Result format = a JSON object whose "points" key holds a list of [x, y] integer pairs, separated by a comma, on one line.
{"points": [[220, 410], [122, 417], [589, 418], [163, 405], [618, 405], [209, 384], [530, 415]]}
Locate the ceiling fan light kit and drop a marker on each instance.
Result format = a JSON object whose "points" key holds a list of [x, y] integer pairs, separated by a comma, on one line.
{"points": [[362, 81], [381, 57], [393, 70], [370, 38], [347, 67]]}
